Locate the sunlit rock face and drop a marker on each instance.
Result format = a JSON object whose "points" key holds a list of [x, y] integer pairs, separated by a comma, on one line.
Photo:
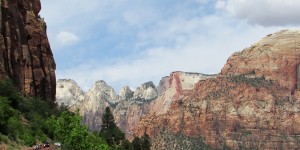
{"points": [[129, 106], [25, 53], [172, 88], [68, 93], [253, 103], [275, 57]]}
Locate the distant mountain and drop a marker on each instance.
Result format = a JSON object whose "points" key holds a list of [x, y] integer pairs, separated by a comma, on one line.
{"points": [[129, 106]]}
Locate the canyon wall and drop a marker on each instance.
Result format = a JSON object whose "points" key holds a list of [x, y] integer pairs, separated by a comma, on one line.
{"points": [[25, 53], [252, 104]]}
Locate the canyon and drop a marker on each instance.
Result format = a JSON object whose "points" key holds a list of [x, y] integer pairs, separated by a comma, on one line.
{"points": [[252, 103], [129, 106]]}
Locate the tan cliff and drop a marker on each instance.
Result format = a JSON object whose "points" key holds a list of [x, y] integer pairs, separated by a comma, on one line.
{"points": [[129, 106], [254, 103], [276, 57], [25, 53]]}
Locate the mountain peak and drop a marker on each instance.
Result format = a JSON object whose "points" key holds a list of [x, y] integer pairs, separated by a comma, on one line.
{"points": [[275, 57]]}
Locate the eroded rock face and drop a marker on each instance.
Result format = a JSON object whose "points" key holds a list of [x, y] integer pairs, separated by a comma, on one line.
{"points": [[25, 53], [129, 110], [129, 106], [249, 105], [68, 93], [172, 87], [95, 101], [276, 57]]}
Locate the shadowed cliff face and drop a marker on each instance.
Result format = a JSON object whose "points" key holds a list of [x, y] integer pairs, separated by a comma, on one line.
{"points": [[25, 54], [253, 104]]}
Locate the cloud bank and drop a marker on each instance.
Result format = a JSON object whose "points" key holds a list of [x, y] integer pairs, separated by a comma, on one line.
{"points": [[266, 12], [129, 42]]}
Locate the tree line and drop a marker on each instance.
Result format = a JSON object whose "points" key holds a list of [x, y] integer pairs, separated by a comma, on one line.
{"points": [[26, 120]]}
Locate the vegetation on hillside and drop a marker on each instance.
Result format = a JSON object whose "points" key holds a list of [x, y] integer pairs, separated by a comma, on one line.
{"points": [[27, 121]]}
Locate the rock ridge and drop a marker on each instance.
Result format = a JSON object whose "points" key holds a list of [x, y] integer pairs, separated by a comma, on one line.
{"points": [[252, 104], [129, 106]]}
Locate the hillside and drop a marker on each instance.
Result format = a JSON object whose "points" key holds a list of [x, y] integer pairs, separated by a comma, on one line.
{"points": [[253, 103]]}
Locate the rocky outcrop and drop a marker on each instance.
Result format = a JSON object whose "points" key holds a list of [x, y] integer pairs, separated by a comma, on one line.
{"points": [[68, 93], [129, 111], [129, 106], [275, 57], [253, 104], [95, 101], [25, 54], [172, 87]]}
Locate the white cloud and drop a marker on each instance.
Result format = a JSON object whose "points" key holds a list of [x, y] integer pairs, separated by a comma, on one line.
{"points": [[162, 37], [221, 4], [266, 12], [204, 51], [67, 38]]}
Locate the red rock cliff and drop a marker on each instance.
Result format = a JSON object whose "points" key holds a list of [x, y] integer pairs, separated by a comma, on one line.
{"points": [[276, 57], [25, 53], [253, 104]]}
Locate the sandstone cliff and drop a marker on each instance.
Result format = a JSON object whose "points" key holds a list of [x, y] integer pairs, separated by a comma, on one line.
{"points": [[129, 106], [253, 104], [68, 93], [25, 54], [275, 57]]}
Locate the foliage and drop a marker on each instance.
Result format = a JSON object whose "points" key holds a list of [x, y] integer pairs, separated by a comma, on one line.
{"points": [[252, 81], [69, 130], [22, 119], [109, 131], [142, 143], [136, 143], [145, 142], [26, 120], [6, 112], [126, 145]]}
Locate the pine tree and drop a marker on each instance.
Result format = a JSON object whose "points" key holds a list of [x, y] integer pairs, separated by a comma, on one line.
{"points": [[109, 130], [145, 142], [136, 143], [126, 145]]}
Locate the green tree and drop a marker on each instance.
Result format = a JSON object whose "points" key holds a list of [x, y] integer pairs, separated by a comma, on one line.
{"points": [[109, 130], [69, 129], [126, 145], [136, 143], [145, 142], [9, 90]]}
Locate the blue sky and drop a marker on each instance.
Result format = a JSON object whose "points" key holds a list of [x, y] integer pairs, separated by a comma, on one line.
{"points": [[129, 42]]}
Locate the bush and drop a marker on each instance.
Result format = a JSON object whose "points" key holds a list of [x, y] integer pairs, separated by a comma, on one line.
{"points": [[28, 138], [15, 127], [3, 138]]}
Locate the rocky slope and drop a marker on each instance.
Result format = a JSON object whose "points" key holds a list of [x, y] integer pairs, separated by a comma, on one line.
{"points": [[25, 54], [276, 57], [253, 104], [129, 106]]}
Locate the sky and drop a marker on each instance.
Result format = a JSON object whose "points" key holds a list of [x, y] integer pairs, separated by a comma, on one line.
{"points": [[130, 42]]}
